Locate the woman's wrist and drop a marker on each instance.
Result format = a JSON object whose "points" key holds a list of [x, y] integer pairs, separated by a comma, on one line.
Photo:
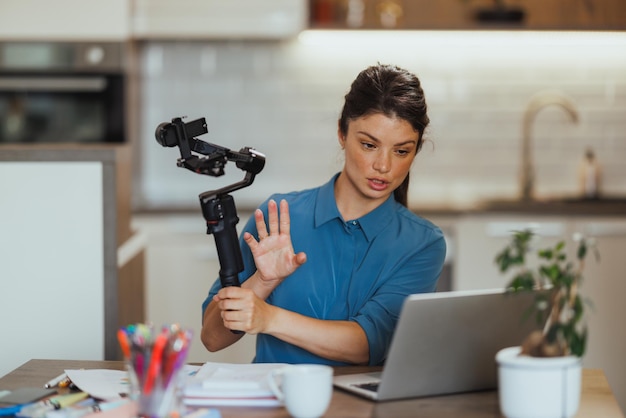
{"points": [[262, 288]]}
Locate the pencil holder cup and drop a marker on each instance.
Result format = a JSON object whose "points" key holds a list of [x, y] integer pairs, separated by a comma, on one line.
{"points": [[154, 360]]}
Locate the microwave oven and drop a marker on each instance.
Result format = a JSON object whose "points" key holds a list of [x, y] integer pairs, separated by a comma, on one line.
{"points": [[62, 92]]}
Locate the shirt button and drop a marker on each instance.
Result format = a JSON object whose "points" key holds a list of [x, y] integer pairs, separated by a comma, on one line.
{"points": [[355, 223]]}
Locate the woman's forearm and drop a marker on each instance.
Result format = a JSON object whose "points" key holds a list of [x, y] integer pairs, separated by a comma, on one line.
{"points": [[343, 341], [214, 335]]}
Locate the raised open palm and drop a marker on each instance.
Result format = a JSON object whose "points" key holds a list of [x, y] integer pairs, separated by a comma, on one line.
{"points": [[273, 253]]}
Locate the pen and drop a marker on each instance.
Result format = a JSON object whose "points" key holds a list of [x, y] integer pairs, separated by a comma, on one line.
{"points": [[79, 412], [53, 382], [65, 382], [67, 400], [154, 367], [10, 411], [37, 405], [124, 344], [26, 409], [39, 409]]}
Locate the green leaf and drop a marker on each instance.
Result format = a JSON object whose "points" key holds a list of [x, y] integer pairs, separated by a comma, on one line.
{"points": [[582, 250], [579, 309], [547, 254], [523, 281], [552, 272], [578, 343]]}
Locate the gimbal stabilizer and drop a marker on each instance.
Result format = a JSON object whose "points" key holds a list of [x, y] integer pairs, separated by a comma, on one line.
{"points": [[218, 207]]}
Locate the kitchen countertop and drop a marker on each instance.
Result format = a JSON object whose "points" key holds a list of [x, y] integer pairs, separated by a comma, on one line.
{"points": [[569, 206], [608, 206]]}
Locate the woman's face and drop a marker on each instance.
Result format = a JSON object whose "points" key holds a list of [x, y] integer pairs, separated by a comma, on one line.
{"points": [[379, 151]]}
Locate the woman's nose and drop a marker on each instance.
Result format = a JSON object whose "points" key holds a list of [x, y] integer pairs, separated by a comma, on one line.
{"points": [[382, 162]]}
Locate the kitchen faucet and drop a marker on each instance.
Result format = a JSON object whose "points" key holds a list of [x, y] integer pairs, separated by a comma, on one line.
{"points": [[537, 102]]}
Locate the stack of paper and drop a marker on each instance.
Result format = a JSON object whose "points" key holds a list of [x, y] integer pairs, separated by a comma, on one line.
{"points": [[229, 384]]}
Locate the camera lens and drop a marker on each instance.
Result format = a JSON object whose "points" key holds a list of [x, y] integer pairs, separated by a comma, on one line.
{"points": [[165, 135]]}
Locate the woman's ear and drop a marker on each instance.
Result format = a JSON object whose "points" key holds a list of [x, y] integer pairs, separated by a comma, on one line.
{"points": [[341, 138]]}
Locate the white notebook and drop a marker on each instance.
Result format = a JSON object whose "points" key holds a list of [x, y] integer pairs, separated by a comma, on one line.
{"points": [[231, 384]]}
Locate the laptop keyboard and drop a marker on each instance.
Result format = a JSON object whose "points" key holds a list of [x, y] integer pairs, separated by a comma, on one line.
{"points": [[372, 387]]}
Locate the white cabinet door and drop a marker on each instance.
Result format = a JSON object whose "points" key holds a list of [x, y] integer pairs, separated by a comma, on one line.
{"points": [[218, 19], [52, 271], [605, 287], [65, 20], [480, 237]]}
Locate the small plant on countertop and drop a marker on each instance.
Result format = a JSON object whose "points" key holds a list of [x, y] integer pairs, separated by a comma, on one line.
{"points": [[560, 309]]}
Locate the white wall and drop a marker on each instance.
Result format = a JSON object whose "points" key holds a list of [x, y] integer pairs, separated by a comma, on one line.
{"points": [[284, 99]]}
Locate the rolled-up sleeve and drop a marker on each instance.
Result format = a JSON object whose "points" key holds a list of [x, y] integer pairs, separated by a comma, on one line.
{"points": [[418, 274]]}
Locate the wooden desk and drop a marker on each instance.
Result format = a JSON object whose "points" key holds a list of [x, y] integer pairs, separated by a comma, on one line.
{"points": [[597, 399]]}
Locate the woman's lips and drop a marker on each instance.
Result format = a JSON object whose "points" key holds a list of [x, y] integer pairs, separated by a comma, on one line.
{"points": [[378, 185]]}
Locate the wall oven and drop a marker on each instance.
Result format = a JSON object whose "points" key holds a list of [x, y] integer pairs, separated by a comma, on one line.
{"points": [[62, 92]]}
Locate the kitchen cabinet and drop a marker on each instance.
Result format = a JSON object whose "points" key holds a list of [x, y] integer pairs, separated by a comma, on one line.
{"points": [[469, 14], [479, 237], [64, 20], [605, 287], [58, 269], [218, 19]]}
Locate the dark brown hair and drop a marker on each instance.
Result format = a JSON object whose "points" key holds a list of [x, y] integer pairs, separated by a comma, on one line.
{"points": [[393, 92]]}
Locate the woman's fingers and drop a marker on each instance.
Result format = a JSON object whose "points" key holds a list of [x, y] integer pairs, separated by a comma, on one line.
{"points": [[300, 258], [285, 221], [241, 309], [260, 224], [272, 212], [277, 224]]}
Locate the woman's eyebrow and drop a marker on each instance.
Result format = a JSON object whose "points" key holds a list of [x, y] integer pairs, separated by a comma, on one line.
{"points": [[400, 144]]}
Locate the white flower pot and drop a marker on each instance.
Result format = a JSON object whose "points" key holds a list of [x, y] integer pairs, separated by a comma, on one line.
{"points": [[538, 387]]}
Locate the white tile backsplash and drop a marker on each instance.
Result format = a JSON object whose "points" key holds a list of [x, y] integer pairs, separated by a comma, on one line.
{"points": [[284, 98]]}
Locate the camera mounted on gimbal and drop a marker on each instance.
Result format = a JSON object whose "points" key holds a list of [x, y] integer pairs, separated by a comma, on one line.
{"points": [[218, 207]]}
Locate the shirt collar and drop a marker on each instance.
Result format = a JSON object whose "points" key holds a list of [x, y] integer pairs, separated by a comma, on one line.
{"points": [[372, 223]]}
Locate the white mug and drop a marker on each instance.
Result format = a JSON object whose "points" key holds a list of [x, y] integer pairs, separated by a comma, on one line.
{"points": [[305, 389]]}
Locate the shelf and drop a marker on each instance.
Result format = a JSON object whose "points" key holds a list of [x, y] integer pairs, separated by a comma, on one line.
{"points": [[468, 15]]}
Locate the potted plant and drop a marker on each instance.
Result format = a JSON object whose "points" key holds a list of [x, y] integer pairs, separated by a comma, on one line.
{"points": [[542, 377]]}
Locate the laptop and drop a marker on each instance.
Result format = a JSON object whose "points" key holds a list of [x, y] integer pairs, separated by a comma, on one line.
{"points": [[446, 343]]}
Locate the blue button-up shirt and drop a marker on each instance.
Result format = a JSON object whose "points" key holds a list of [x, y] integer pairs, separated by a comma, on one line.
{"points": [[357, 270]]}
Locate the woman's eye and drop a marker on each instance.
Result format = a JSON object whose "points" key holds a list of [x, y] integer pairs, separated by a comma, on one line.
{"points": [[368, 145], [402, 152]]}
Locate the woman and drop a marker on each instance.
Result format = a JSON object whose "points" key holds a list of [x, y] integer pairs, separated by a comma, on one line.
{"points": [[360, 250]]}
